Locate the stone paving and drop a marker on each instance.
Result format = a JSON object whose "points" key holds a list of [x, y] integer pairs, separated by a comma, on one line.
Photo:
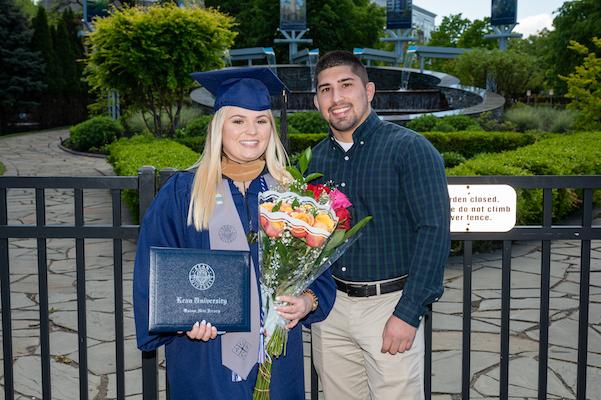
{"points": [[39, 155]]}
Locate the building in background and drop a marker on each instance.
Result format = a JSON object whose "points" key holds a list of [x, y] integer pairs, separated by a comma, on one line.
{"points": [[423, 21]]}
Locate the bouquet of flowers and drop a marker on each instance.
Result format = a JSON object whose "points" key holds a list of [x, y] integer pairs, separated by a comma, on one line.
{"points": [[304, 229]]}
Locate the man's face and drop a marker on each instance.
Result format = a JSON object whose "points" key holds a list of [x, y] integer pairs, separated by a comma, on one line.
{"points": [[343, 100]]}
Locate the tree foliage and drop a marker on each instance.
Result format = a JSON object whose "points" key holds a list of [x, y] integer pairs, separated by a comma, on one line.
{"points": [[449, 31], [511, 70], [473, 35], [333, 24], [575, 21], [456, 31], [148, 54], [41, 41], [20, 67], [584, 84]]}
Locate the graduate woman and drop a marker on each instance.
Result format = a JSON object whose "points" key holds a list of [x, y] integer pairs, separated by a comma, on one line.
{"points": [[214, 206]]}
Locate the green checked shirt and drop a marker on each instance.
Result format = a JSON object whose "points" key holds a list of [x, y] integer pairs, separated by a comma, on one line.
{"points": [[396, 176]]}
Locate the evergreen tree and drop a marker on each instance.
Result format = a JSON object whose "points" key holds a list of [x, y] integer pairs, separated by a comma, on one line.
{"points": [[73, 27], [41, 41], [65, 54], [20, 67]]}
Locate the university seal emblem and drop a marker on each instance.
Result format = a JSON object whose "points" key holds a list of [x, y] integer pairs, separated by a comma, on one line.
{"points": [[202, 276], [227, 233]]}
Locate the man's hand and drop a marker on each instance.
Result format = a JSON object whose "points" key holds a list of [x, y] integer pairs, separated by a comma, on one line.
{"points": [[397, 336]]}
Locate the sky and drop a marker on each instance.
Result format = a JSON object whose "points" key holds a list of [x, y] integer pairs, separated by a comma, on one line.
{"points": [[533, 15]]}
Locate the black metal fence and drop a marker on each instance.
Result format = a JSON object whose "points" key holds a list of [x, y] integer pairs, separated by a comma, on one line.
{"points": [[146, 185]]}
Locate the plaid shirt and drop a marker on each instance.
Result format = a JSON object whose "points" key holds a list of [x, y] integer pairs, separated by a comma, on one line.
{"points": [[398, 177]]}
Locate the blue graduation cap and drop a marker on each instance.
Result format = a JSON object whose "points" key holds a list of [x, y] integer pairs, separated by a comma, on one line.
{"points": [[249, 88]]}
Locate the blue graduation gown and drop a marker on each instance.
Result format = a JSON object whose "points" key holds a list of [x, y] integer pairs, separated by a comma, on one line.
{"points": [[194, 367]]}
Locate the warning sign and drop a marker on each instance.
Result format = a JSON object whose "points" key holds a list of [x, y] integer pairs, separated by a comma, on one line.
{"points": [[482, 208]]}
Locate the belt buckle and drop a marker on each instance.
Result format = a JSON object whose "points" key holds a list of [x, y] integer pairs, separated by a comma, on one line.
{"points": [[359, 290]]}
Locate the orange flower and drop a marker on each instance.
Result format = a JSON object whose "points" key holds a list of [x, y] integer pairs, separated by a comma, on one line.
{"points": [[324, 221], [267, 206], [315, 240], [271, 228], [308, 218]]}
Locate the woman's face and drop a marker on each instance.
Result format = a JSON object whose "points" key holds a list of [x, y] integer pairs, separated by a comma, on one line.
{"points": [[246, 134]]}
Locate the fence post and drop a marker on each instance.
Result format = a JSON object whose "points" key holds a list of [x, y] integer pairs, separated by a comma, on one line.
{"points": [[150, 369], [165, 174]]}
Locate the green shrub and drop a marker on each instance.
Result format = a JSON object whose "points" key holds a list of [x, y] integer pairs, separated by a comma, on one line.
{"points": [[462, 122], [198, 126], [444, 126], [544, 119], [467, 144], [134, 121], [308, 122], [449, 123], [470, 143], [291, 129], [194, 143], [489, 123], [2, 168], [94, 134], [127, 156], [573, 154], [300, 141], [425, 123], [452, 159]]}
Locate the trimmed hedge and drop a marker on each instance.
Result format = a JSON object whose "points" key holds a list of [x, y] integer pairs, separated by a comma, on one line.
{"points": [[471, 143], [574, 154], [95, 133], [308, 122], [450, 123], [467, 143], [127, 156]]}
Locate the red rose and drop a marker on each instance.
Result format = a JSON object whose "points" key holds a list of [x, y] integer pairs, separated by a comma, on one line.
{"points": [[317, 190], [344, 219]]}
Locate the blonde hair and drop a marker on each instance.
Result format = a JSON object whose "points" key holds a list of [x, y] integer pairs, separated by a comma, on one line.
{"points": [[208, 169]]}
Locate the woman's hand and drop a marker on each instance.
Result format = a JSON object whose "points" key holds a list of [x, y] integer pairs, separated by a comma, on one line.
{"points": [[202, 331], [296, 309]]}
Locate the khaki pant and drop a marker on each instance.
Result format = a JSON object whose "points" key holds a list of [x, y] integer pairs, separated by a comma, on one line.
{"points": [[346, 351]]}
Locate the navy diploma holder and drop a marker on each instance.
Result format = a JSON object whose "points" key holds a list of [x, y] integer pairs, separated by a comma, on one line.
{"points": [[189, 285]]}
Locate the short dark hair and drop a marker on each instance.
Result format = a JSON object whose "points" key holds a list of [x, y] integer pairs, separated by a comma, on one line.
{"points": [[341, 57]]}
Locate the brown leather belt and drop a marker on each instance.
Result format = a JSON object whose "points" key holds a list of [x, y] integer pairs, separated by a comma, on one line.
{"points": [[367, 290]]}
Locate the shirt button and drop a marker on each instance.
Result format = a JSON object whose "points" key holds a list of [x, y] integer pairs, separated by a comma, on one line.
{"points": [[362, 142], [343, 269], [343, 184], [346, 158]]}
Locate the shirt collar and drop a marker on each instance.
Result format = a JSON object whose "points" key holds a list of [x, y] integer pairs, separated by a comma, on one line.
{"points": [[364, 130]]}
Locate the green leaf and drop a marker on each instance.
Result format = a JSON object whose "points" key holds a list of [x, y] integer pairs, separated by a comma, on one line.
{"points": [[295, 173], [277, 206], [312, 176], [337, 238], [357, 227], [304, 160]]}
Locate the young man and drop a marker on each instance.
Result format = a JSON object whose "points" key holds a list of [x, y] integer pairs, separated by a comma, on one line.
{"points": [[371, 346]]}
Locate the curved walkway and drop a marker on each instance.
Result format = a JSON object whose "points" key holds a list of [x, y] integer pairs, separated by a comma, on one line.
{"points": [[39, 154]]}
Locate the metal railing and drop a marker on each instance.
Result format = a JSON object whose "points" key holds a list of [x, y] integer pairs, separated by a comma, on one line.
{"points": [[146, 185]]}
